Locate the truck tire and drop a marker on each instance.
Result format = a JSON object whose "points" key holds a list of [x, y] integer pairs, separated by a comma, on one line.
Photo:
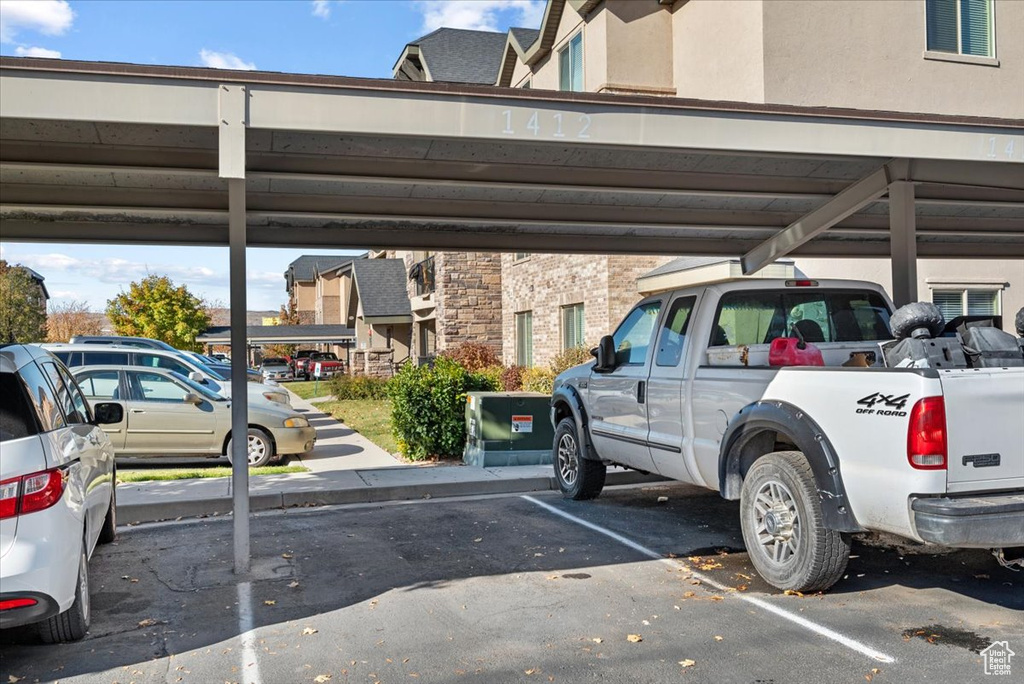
{"points": [[783, 527], [578, 478], [73, 623], [914, 316], [260, 448]]}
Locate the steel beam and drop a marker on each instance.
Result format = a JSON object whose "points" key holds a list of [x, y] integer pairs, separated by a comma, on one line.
{"points": [[846, 203], [903, 242]]}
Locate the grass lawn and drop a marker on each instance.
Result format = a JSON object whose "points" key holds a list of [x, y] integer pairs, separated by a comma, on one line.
{"points": [[369, 417], [306, 389], [191, 473]]}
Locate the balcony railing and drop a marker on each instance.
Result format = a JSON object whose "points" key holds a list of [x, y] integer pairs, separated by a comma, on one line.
{"points": [[422, 274]]}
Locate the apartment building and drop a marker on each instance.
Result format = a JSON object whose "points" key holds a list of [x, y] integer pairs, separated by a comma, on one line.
{"points": [[952, 57]]}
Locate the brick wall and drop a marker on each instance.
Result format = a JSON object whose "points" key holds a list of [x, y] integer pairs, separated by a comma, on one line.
{"points": [[623, 272]]}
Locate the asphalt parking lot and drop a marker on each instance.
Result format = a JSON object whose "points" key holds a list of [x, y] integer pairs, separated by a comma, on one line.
{"points": [[514, 588]]}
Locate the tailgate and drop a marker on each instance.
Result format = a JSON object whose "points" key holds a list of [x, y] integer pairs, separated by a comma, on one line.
{"points": [[985, 428]]}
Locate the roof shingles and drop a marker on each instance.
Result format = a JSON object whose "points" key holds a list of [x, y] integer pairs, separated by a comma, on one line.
{"points": [[382, 290]]}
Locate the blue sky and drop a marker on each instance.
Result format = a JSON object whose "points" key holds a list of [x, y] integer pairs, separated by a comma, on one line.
{"points": [[342, 37]]}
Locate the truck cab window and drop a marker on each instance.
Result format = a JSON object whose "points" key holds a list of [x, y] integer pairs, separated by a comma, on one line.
{"points": [[633, 337], [673, 332]]}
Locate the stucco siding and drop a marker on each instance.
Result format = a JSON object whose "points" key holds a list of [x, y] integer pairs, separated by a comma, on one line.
{"points": [[718, 50]]}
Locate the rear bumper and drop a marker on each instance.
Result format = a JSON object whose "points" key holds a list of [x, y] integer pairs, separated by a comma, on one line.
{"points": [[44, 608], [984, 521]]}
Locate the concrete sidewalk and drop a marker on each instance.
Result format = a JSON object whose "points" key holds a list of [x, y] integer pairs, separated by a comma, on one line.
{"points": [[345, 468]]}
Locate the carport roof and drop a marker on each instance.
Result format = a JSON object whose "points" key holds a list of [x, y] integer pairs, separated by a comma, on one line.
{"points": [[136, 154], [280, 334]]}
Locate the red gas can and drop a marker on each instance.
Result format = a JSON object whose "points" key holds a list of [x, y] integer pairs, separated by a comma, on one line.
{"points": [[786, 351]]}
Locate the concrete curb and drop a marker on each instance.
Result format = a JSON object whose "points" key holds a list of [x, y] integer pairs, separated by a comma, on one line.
{"points": [[221, 505]]}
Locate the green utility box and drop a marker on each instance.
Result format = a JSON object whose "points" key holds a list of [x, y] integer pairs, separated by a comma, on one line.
{"points": [[507, 429]]}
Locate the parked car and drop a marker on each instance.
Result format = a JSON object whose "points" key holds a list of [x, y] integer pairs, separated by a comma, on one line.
{"points": [[221, 368], [276, 368], [169, 414], [221, 358], [300, 363], [777, 393], [328, 363], [57, 497], [74, 355]]}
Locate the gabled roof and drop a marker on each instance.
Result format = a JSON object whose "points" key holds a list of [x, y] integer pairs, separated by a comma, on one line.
{"points": [[452, 56], [304, 269], [540, 46], [381, 287]]}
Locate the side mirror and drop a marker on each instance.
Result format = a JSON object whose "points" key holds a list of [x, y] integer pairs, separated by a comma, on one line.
{"points": [[107, 413], [196, 376], [605, 354], [192, 398]]}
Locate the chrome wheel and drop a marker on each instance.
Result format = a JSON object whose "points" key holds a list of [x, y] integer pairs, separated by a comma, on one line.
{"points": [[777, 522], [568, 461], [257, 450]]}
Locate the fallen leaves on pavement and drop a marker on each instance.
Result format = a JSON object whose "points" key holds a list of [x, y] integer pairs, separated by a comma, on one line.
{"points": [[309, 630], [687, 663], [148, 622], [634, 638], [269, 602], [320, 679]]}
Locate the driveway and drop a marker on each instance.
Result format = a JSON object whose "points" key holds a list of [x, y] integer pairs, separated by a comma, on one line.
{"points": [[518, 588]]}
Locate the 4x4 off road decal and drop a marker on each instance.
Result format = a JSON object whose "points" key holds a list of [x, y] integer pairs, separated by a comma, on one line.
{"points": [[887, 405]]}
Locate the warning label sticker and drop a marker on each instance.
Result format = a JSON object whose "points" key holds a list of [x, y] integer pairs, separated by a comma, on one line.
{"points": [[522, 423]]}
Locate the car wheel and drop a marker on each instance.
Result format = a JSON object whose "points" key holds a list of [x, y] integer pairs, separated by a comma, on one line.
{"points": [[108, 532], [260, 448], [578, 478], [73, 623], [783, 527]]}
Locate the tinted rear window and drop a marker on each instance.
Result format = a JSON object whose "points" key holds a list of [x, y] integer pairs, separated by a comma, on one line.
{"points": [[104, 358], [16, 414], [760, 316]]}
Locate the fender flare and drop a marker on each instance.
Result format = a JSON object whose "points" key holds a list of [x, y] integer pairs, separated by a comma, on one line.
{"points": [[568, 396], [749, 437]]}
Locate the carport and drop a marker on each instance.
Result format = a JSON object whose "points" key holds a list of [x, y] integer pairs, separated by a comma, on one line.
{"points": [[281, 334], [96, 152]]}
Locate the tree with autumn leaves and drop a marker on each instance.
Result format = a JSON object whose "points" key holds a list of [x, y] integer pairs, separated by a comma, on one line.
{"points": [[154, 307], [22, 306]]}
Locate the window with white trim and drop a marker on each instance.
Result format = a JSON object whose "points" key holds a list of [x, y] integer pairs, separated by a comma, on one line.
{"points": [[520, 256], [524, 339], [960, 27], [570, 65], [573, 327], [967, 302]]}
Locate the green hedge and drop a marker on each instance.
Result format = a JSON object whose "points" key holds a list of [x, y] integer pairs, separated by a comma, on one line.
{"points": [[349, 387], [428, 407]]}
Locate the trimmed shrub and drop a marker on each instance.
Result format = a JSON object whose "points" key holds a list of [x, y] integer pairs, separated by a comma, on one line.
{"points": [[538, 380], [491, 376], [571, 357], [349, 387], [512, 379], [473, 356], [428, 408]]}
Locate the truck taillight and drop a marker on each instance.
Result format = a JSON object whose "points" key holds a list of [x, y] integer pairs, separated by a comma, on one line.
{"points": [[926, 434], [31, 493]]}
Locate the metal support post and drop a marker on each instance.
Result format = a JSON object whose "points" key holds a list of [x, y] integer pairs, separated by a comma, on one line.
{"points": [[234, 118], [903, 242], [239, 388]]}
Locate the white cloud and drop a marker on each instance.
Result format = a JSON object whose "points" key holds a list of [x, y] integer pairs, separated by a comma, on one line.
{"points": [[321, 8], [224, 60], [50, 17], [479, 15], [23, 51]]}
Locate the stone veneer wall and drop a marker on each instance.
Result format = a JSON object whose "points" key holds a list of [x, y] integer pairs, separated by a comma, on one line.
{"points": [[469, 298], [373, 363]]}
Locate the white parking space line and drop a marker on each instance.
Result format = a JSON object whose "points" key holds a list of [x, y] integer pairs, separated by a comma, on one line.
{"points": [[846, 641], [250, 664]]}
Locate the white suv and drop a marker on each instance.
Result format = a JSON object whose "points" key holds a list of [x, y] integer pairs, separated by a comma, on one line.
{"points": [[56, 493]]}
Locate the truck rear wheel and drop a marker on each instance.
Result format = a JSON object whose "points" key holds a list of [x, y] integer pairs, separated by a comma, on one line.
{"points": [[783, 527], [578, 478]]}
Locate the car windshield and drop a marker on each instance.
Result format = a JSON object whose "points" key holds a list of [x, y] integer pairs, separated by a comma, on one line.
{"points": [[204, 392], [274, 362], [325, 356], [205, 369]]}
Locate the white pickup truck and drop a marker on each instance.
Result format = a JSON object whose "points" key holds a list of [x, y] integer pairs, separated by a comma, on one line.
{"points": [[691, 387]]}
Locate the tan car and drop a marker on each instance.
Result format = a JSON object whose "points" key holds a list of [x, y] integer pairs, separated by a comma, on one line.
{"points": [[166, 414]]}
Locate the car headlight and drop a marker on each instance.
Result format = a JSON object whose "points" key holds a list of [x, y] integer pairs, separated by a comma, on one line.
{"points": [[296, 422], [275, 397]]}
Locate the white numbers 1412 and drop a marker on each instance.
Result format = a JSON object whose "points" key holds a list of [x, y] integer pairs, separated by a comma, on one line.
{"points": [[539, 124]]}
